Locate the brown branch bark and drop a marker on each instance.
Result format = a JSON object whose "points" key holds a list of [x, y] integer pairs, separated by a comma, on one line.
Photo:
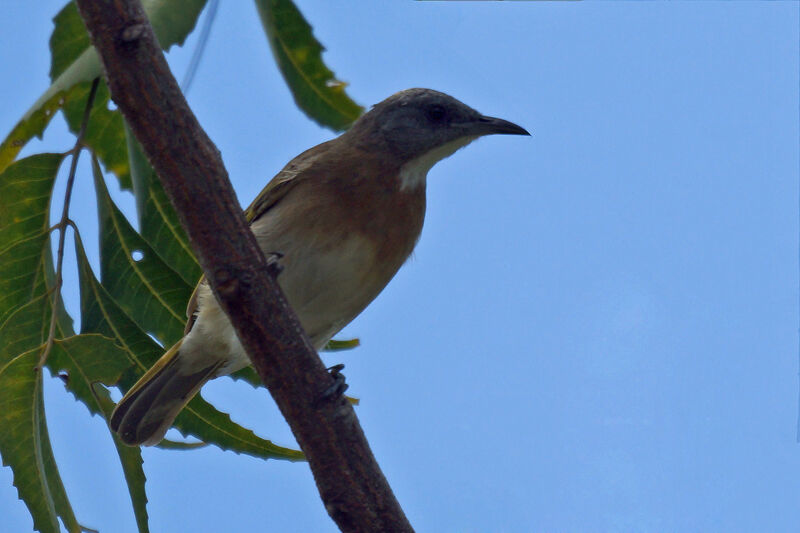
{"points": [[351, 484]]}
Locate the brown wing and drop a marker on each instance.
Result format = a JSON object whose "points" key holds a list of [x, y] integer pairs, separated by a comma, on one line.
{"points": [[273, 193]]}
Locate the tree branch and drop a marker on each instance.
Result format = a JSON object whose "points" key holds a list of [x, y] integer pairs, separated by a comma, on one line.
{"points": [[350, 482]]}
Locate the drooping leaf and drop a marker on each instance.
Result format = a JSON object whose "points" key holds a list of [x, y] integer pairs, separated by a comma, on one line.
{"points": [[149, 291], [85, 360], [24, 441], [101, 314], [25, 189], [105, 132], [338, 345], [26, 270], [158, 221], [21, 440], [131, 459], [32, 125], [299, 56], [172, 20]]}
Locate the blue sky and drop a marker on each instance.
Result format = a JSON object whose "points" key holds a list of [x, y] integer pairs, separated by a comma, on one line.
{"points": [[599, 328]]}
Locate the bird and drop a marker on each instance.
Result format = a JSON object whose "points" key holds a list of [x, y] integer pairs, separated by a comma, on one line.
{"points": [[343, 217]]}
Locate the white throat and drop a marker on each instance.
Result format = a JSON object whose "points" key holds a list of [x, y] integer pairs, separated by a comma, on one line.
{"points": [[413, 173]]}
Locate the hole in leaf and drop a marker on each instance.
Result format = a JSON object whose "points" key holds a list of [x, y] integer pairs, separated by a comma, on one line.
{"points": [[137, 255], [155, 338]]}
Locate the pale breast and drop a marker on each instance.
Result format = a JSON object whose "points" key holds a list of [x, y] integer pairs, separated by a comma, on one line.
{"points": [[328, 277]]}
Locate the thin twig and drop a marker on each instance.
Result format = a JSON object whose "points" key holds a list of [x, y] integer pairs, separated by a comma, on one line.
{"points": [[62, 226], [205, 32]]}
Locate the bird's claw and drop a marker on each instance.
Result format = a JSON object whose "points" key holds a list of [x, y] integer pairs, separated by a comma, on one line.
{"points": [[274, 265], [339, 386]]}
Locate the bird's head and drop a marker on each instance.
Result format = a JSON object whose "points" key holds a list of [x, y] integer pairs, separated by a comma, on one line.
{"points": [[420, 127]]}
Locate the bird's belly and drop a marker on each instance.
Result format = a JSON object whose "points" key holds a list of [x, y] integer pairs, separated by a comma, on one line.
{"points": [[328, 285]]}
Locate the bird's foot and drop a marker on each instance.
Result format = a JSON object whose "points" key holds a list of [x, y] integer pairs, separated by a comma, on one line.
{"points": [[274, 265], [339, 386]]}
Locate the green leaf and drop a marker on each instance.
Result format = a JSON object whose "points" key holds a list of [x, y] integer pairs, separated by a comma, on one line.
{"points": [[32, 125], [150, 292], [158, 221], [337, 345], [24, 441], [21, 439], [249, 375], [25, 189], [105, 132], [131, 459], [299, 56], [25, 269], [85, 360], [76, 62], [68, 40], [101, 314]]}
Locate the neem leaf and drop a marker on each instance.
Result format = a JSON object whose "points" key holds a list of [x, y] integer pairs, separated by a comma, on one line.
{"points": [[131, 459], [68, 40], [299, 56], [32, 125], [158, 221], [337, 345], [76, 62], [24, 441], [150, 292], [25, 189], [21, 441], [101, 314], [105, 132]]}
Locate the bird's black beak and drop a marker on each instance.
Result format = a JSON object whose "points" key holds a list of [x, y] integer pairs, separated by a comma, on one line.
{"points": [[491, 126]]}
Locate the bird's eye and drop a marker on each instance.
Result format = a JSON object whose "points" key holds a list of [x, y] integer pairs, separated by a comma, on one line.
{"points": [[436, 113]]}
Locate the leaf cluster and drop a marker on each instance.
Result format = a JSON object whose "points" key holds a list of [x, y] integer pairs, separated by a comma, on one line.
{"points": [[136, 305]]}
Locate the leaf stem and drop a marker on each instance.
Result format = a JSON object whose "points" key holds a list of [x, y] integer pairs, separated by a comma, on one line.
{"points": [[62, 226]]}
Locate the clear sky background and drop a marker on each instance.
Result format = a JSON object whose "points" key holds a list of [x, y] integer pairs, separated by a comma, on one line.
{"points": [[599, 328]]}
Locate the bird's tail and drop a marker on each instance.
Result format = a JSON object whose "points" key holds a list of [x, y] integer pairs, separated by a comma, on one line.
{"points": [[147, 411]]}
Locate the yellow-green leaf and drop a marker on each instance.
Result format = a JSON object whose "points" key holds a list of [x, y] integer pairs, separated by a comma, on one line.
{"points": [[172, 20], [299, 56]]}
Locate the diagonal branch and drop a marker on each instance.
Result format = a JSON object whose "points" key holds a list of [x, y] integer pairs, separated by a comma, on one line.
{"points": [[352, 487]]}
